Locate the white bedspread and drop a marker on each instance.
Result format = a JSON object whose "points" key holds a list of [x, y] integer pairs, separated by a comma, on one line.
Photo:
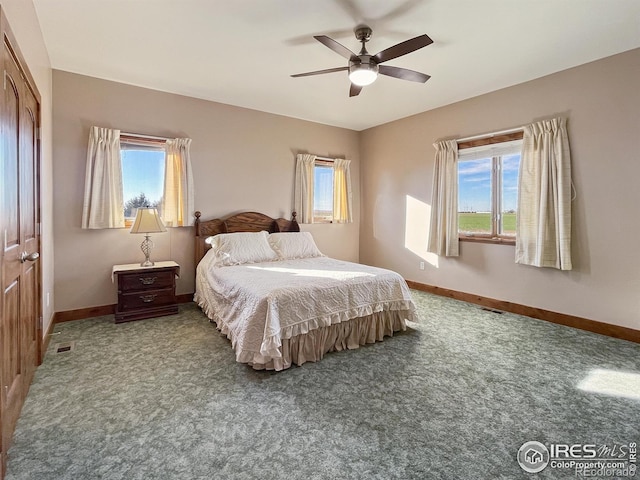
{"points": [[258, 305]]}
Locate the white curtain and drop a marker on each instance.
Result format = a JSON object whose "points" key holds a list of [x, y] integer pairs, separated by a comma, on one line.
{"points": [[342, 196], [303, 194], [178, 205], [103, 204], [443, 232], [544, 196]]}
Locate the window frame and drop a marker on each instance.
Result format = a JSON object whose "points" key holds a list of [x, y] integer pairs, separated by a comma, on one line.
{"points": [[496, 189], [143, 141], [324, 162]]}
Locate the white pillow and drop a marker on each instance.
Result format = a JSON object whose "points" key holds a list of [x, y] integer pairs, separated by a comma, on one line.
{"points": [[241, 247], [294, 245]]}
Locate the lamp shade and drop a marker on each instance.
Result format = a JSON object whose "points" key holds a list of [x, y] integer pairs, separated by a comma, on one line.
{"points": [[147, 221]]}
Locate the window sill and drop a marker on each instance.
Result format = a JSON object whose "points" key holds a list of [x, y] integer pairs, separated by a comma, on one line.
{"points": [[494, 240]]}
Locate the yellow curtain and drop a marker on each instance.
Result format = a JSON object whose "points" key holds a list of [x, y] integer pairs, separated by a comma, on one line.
{"points": [[342, 196], [178, 206], [103, 206]]}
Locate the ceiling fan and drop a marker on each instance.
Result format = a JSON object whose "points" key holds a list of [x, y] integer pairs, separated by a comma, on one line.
{"points": [[364, 68]]}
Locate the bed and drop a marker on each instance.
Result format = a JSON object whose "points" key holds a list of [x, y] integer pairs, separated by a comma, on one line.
{"points": [[268, 288]]}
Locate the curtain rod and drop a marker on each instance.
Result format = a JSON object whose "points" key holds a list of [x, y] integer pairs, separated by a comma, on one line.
{"points": [[489, 135], [147, 137], [326, 159]]}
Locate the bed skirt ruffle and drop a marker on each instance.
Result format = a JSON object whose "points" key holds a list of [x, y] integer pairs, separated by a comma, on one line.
{"points": [[313, 345]]}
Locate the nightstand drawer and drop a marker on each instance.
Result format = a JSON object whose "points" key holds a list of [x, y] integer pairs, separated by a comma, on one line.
{"points": [[150, 280], [146, 299]]}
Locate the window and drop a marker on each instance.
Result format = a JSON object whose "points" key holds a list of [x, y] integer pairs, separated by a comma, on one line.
{"points": [[488, 190], [323, 191], [143, 164]]}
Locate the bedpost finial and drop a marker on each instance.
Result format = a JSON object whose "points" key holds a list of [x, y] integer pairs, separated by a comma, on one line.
{"points": [[197, 223], [294, 214]]}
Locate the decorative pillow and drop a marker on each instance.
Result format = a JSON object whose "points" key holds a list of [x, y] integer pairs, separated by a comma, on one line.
{"points": [[242, 247], [294, 245]]}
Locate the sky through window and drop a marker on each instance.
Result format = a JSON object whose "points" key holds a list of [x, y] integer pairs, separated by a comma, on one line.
{"points": [[474, 187]]}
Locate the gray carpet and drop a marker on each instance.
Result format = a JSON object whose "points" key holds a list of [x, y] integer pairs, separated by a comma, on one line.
{"points": [[452, 398]]}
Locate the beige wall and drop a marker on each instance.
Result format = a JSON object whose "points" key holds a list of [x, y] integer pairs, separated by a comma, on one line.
{"points": [[26, 28], [602, 103], [242, 160]]}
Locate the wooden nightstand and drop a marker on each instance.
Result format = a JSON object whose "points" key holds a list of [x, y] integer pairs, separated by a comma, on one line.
{"points": [[145, 292]]}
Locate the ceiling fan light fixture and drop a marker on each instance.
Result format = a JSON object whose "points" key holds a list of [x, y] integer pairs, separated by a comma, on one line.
{"points": [[363, 74], [364, 68]]}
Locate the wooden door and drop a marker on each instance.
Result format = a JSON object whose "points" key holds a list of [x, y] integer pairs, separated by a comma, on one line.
{"points": [[20, 330]]}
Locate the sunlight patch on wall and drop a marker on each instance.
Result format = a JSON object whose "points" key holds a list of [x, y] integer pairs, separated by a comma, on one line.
{"points": [[610, 382], [417, 228]]}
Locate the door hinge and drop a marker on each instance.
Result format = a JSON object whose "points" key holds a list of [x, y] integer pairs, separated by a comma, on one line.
{"points": [[41, 320], [38, 228], [38, 133]]}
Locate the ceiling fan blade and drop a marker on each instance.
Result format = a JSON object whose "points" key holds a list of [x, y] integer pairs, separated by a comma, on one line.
{"points": [[354, 90], [403, 73], [336, 47], [350, 9], [403, 48], [399, 11], [320, 72]]}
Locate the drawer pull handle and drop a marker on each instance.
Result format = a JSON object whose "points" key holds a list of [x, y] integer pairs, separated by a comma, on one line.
{"points": [[148, 298], [148, 280]]}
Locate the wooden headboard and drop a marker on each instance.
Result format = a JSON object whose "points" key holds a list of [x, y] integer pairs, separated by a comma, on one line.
{"points": [[240, 222]]}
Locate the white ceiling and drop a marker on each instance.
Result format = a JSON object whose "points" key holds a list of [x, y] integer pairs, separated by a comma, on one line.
{"points": [[242, 52]]}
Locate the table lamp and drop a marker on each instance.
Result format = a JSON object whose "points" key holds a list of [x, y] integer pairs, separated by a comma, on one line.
{"points": [[147, 221]]}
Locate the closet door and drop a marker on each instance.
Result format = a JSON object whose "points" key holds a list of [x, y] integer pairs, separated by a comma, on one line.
{"points": [[29, 223], [20, 332]]}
